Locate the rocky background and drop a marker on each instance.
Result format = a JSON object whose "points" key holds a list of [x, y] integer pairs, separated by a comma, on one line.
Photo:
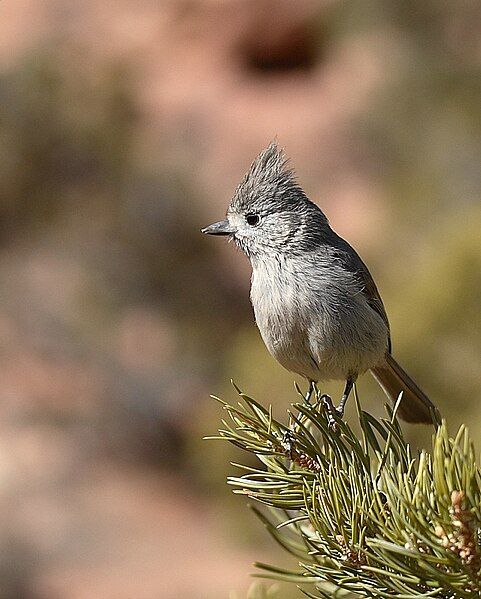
{"points": [[124, 128]]}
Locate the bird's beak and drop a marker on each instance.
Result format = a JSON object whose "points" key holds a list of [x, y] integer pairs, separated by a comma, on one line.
{"points": [[223, 227]]}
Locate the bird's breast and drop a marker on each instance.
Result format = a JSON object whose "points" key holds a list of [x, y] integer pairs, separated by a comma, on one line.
{"points": [[318, 325], [281, 312]]}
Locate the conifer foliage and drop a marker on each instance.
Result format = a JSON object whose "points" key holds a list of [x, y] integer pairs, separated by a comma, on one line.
{"points": [[361, 514]]}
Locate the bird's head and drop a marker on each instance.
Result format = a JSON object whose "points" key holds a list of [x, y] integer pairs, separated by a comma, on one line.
{"points": [[269, 213]]}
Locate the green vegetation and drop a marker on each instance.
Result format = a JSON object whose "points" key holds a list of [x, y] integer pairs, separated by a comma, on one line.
{"points": [[361, 513]]}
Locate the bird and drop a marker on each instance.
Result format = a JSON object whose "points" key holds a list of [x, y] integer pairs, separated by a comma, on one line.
{"points": [[315, 302]]}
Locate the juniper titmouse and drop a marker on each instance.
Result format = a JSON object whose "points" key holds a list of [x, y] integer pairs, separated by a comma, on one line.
{"points": [[315, 303]]}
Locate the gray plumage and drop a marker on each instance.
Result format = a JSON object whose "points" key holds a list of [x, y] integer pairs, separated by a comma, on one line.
{"points": [[315, 303]]}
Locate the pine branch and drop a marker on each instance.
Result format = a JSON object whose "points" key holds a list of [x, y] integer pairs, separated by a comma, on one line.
{"points": [[361, 516]]}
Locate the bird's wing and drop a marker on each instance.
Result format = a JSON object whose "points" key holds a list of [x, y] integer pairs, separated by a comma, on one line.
{"points": [[351, 261], [373, 297]]}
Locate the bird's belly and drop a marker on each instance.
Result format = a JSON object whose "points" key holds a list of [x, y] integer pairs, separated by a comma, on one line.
{"points": [[291, 351], [319, 358], [317, 344]]}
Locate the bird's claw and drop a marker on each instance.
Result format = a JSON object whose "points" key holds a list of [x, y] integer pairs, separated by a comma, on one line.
{"points": [[333, 413], [288, 443]]}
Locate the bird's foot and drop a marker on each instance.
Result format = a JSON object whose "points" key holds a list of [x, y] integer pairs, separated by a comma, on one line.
{"points": [[333, 414], [310, 392], [288, 444]]}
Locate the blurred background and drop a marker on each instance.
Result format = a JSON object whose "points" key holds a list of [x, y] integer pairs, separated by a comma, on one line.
{"points": [[124, 128]]}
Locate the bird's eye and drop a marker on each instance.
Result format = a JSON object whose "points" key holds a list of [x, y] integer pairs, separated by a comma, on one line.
{"points": [[252, 219]]}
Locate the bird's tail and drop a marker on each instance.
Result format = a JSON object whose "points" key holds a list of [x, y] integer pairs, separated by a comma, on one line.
{"points": [[415, 406]]}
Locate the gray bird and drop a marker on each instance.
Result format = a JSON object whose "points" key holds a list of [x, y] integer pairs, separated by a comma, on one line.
{"points": [[316, 305]]}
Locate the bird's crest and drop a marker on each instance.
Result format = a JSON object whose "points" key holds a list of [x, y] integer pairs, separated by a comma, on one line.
{"points": [[267, 178]]}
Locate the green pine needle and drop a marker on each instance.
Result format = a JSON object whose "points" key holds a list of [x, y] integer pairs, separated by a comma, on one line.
{"points": [[362, 516]]}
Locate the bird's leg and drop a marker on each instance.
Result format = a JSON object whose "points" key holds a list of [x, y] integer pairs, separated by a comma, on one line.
{"points": [[347, 390], [339, 411], [307, 399], [310, 391], [287, 439]]}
